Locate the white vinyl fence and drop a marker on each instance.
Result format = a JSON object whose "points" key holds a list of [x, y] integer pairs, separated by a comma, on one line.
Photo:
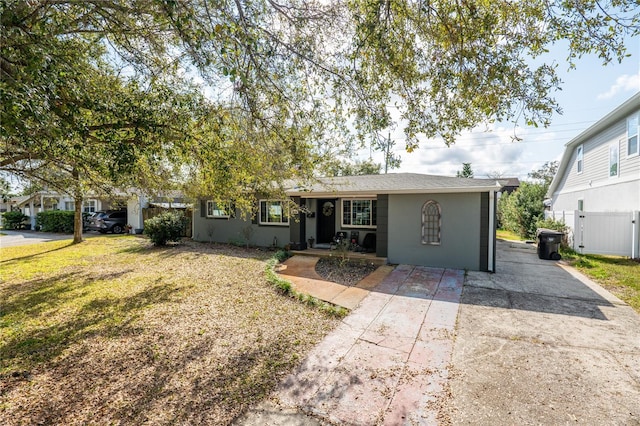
{"points": [[614, 233]]}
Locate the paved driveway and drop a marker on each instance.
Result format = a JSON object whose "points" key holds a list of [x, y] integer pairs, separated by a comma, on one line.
{"points": [[535, 343], [538, 343], [24, 238], [385, 364]]}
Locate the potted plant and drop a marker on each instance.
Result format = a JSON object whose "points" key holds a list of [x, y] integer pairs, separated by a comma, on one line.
{"points": [[311, 240]]}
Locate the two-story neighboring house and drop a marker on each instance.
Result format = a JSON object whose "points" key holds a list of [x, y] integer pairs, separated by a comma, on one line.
{"points": [[596, 190]]}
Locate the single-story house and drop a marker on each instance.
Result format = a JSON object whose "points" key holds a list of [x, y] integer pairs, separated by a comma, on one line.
{"points": [[135, 201], [416, 219], [31, 205], [596, 191]]}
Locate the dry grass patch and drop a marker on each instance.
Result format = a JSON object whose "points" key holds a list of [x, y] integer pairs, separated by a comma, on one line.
{"points": [[116, 331]]}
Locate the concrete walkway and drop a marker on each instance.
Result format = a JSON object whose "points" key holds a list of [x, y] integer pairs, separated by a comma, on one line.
{"points": [[539, 343], [301, 272], [386, 363]]}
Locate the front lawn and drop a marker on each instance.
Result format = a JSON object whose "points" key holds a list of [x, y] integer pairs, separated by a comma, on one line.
{"points": [[618, 275], [115, 331]]}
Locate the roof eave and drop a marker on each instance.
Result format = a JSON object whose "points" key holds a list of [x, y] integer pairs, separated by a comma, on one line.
{"points": [[623, 110], [374, 193]]}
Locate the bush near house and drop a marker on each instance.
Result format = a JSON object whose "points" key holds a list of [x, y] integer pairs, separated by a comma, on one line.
{"points": [[14, 220], [165, 227], [55, 221], [520, 211], [556, 226]]}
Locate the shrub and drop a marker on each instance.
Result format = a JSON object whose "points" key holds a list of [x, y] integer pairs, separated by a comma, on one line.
{"points": [[14, 219], [556, 226], [55, 221], [165, 227], [520, 211], [282, 255]]}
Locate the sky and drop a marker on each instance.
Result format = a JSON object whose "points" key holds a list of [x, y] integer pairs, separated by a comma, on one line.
{"points": [[588, 93]]}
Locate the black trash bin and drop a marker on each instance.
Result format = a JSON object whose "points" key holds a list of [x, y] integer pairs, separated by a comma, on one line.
{"points": [[549, 243]]}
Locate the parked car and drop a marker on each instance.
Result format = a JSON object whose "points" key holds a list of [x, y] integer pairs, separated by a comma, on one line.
{"points": [[108, 221], [86, 220]]}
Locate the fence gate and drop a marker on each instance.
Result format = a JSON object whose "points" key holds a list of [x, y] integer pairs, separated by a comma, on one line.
{"points": [[604, 233]]}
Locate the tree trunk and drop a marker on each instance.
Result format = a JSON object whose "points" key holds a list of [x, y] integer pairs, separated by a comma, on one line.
{"points": [[77, 217], [77, 220]]}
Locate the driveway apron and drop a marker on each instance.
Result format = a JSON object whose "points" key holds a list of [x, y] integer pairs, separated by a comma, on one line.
{"points": [[539, 343], [386, 363]]}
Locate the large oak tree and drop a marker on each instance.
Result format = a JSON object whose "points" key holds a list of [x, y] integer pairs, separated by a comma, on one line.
{"points": [[289, 84]]}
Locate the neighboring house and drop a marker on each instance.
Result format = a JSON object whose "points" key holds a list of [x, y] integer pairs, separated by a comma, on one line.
{"points": [[134, 201], [37, 202], [510, 185], [414, 219], [596, 190]]}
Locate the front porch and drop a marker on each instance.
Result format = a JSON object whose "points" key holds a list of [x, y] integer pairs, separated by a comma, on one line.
{"points": [[351, 255]]}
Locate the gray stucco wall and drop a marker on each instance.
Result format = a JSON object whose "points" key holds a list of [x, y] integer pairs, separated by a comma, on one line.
{"points": [[231, 230], [460, 231]]}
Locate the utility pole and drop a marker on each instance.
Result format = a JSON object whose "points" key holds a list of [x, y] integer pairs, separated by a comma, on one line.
{"points": [[386, 154]]}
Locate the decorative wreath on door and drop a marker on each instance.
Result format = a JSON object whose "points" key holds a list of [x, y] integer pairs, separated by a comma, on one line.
{"points": [[327, 208]]}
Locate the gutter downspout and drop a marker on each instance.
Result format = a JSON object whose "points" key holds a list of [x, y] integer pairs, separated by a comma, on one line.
{"points": [[492, 233]]}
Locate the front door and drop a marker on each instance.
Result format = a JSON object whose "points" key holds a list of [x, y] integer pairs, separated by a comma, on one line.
{"points": [[326, 221]]}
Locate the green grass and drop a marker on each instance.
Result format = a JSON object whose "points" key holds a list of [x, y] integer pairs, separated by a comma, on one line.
{"points": [[621, 276], [503, 234]]}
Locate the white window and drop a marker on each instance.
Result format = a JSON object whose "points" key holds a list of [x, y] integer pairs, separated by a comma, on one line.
{"points": [[219, 210], [431, 223], [614, 160], [272, 213], [69, 205], [580, 158], [581, 205], [359, 213], [89, 206], [632, 134]]}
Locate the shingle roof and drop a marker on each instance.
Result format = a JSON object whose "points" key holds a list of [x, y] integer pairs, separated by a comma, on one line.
{"points": [[21, 199], [514, 181], [393, 183]]}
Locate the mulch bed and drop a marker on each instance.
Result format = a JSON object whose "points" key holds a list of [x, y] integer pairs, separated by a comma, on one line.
{"points": [[345, 272]]}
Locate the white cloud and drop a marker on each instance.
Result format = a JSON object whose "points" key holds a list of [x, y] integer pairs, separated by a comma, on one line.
{"points": [[488, 152], [624, 83]]}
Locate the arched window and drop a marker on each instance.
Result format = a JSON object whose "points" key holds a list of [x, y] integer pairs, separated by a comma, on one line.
{"points": [[431, 223]]}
